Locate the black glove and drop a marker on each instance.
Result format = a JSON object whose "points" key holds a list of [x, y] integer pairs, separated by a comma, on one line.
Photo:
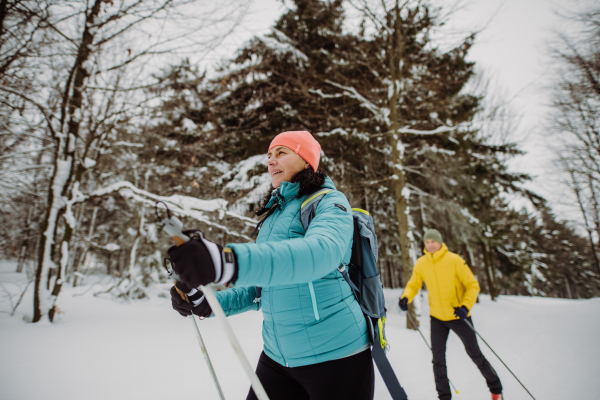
{"points": [[200, 261], [461, 312], [197, 302], [403, 303]]}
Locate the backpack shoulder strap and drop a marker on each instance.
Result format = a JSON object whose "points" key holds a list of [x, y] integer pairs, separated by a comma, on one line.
{"points": [[308, 208]]}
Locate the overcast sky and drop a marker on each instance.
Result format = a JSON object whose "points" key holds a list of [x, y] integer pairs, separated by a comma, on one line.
{"points": [[511, 51]]}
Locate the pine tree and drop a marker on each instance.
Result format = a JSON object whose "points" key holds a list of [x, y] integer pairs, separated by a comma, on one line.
{"points": [[308, 73]]}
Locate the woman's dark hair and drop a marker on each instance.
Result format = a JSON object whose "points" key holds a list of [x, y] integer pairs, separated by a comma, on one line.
{"points": [[310, 181]]}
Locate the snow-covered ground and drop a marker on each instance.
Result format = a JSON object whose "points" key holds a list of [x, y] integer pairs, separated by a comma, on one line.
{"points": [[106, 349]]}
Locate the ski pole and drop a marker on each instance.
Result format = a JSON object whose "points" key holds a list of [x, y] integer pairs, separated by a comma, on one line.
{"points": [[260, 392], [203, 347], [207, 358], [173, 226], [477, 333], [427, 343]]}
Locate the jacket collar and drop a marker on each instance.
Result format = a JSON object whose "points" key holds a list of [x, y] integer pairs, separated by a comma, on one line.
{"points": [[438, 254]]}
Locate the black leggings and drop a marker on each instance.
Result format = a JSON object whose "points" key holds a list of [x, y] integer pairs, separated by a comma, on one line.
{"points": [[346, 378], [439, 337]]}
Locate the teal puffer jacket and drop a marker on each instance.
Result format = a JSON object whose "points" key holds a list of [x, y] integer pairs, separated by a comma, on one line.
{"points": [[310, 314]]}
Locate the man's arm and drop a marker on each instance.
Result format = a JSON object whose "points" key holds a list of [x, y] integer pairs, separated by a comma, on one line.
{"points": [[466, 277], [414, 284]]}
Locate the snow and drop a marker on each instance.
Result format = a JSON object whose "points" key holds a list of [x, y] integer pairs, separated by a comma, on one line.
{"points": [[351, 92], [325, 96], [189, 125], [63, 169], [179, 205], [467, 214], [145, 350], [128, 144], [64, 259], [240, 180], [88, 162], [257, 103], [112, 247], [441, 129], [339, 131], [282, 46]]}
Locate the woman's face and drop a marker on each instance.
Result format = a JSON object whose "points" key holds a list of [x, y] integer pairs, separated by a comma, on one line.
{"points": [[283, 164]]}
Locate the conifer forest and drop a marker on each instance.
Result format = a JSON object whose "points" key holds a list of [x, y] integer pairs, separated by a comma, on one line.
{"points": [[108, 106]]}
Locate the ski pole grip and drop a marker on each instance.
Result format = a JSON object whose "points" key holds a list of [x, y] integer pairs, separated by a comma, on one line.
{"points": [[181, 294], [178, 240], [173, 226]]}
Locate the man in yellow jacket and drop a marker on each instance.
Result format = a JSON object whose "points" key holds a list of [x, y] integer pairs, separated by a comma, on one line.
{"points": [[453, 292]]}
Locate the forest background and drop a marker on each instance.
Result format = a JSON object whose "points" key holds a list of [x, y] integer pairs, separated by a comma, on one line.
{"points": [[109, 106]]}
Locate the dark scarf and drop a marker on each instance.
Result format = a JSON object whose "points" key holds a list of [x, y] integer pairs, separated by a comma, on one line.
{"points": [[309, 180]]}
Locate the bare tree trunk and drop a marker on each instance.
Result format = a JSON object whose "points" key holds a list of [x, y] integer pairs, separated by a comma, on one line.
{"points": [[63, 175], [596, 211], [86, 251], [567, 286], [471, 263], [138, 238], [395, 52], [3, 7], [577, 191], [25, 242], [489, 271]]}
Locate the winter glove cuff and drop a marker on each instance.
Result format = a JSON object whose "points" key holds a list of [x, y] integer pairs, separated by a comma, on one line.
{"points": [[229, 270], [198, 261]]}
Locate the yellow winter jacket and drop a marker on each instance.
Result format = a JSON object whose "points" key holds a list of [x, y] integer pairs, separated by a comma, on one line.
{"points": [[449, 281]]}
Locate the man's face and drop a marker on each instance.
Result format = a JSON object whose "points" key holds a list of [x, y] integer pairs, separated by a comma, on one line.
{"points": [[432, 246]]}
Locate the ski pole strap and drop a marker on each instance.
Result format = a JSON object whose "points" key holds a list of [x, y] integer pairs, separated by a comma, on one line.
{"points": [[386, 371]]}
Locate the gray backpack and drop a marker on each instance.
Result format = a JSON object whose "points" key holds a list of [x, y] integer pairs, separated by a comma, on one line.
{"points": [[363, 277]]}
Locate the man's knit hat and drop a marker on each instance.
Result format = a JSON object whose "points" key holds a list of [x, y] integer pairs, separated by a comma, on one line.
{"points": [[433, 234], [301, 143]]}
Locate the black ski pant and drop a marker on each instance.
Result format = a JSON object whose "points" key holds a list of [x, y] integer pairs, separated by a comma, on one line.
{"points": [[439, 337], [346, 378]]}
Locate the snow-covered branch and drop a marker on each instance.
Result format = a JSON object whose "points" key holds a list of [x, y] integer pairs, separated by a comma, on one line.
{"points": [[441, 129], [178, 204], [353, 93]]}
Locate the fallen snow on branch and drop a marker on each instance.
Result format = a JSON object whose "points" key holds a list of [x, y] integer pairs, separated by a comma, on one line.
{"points": [[185, 203], [441, 129], [240, 180], [282, 45], [324, 95], [380, 113], [179, 205], [127, 144]]}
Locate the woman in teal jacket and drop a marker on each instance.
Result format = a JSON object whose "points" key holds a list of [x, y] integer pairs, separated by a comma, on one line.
{"points": [[315, 335]]}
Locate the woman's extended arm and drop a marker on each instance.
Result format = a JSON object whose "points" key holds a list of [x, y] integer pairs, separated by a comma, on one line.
{"points": [[305, 259]]}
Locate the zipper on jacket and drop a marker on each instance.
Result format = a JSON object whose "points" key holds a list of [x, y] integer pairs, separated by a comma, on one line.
{"points": [[275, 329], [438, 285], [314, 300]]}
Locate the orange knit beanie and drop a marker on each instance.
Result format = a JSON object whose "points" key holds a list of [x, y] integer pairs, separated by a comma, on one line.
{"points": [[301, 143]]}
